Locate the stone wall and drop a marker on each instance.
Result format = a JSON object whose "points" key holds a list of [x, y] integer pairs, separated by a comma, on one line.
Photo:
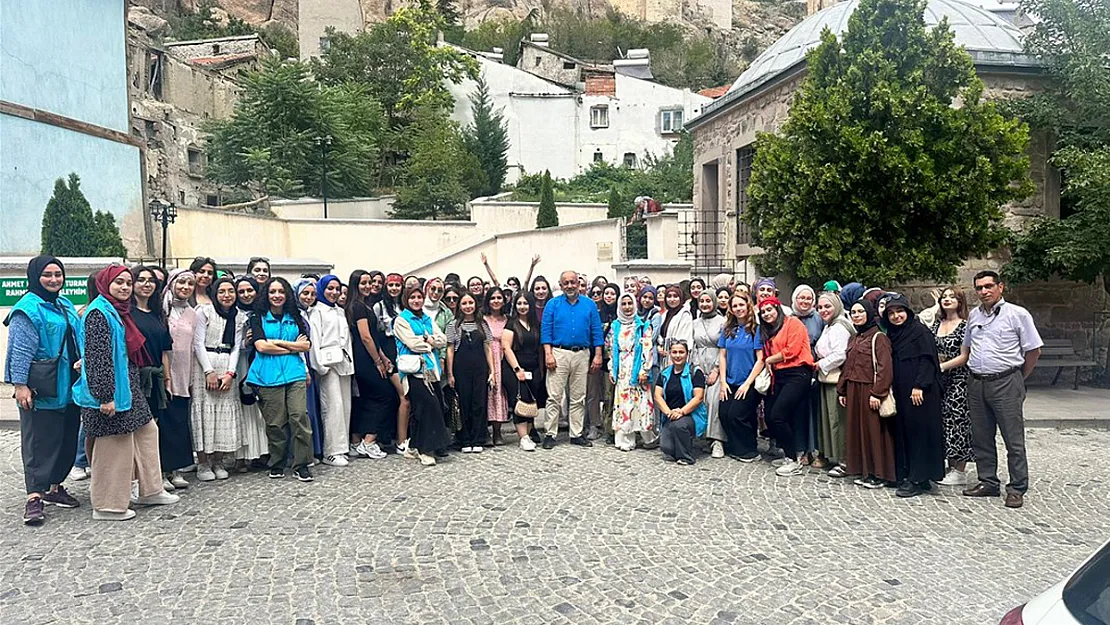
{"points": [[543, 62]]}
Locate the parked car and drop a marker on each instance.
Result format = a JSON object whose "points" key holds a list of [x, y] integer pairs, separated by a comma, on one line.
{"points": [[1083, 598]]}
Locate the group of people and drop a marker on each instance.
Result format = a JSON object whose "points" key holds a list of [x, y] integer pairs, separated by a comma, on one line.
{"points": [[197, 369]]}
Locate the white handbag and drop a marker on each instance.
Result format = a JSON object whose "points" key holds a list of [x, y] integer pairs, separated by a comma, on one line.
{"points": [[763, 381], [887, 407], [409, 363], [330, 356]]}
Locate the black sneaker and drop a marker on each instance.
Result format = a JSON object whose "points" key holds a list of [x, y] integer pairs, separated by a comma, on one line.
{"points": [[535, 436], [303, 474], [581, 441], [276, 473], [34, 513], [60, 498], [751, 456], [549, 442], [873, 483], [908, 489]]}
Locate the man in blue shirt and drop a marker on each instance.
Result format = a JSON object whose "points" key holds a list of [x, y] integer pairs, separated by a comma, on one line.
{"points": [[570, 331]]}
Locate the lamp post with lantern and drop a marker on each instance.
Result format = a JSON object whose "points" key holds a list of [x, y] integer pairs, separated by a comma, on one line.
{"points": [[166, 213], [324, 143]]}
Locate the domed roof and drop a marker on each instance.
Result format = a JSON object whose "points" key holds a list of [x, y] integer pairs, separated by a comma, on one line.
{"points": [[987, 37]]}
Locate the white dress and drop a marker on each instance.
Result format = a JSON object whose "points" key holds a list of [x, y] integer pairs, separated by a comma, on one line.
{"points": [[215, 415], [706, 355]]}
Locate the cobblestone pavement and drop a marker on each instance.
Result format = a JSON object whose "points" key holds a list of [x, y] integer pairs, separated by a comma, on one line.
{"points": [[564, 536]]}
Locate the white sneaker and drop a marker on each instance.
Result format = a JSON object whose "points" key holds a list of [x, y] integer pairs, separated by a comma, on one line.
{"points": [[104, 515], [88, 471], [954, 477], [356, 451], [160, 499], [220, 472], [467, 450], [372, 451], [788, 468], [427, 460], [403, 446], [167, 485], [527, 444], [205, 473], [717, 450], [77, 474], [189, 469], [336, 461], [475, 450], [178, 481]]}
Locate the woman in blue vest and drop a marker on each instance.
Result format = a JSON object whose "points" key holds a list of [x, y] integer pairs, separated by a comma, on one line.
{"points": [[417, 338], [280, 373], [114, 409], [41, 327], [680, 397]]}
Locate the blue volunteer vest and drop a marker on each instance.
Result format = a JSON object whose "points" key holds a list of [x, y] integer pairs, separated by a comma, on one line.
{"points": [[50, 320], [701, 414], [82, 395]]}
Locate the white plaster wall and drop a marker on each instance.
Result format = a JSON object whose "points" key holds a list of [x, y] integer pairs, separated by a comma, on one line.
{"points": [[497, 217], [540, 115], [314, 16], [634, 120], [354, 208]]}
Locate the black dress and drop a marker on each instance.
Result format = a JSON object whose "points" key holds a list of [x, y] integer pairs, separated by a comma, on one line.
{"points": [[919, 430], [374, 411], [471, 373], [526, 348], [173, 421]]}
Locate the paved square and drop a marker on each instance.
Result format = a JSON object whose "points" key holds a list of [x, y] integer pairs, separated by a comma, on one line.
{"points": [[565, 536]]}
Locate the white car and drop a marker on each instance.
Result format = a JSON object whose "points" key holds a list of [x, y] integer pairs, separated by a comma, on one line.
{"points": [[1083, 598]]}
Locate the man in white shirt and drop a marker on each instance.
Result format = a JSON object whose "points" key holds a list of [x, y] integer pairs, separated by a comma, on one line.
{"points": [[1003, 346]]}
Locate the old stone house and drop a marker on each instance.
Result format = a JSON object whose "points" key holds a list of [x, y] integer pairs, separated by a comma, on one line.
{"points": [[759, 100]]}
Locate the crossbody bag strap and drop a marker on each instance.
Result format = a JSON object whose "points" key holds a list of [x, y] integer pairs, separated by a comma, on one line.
{"points": [[874, 360]]}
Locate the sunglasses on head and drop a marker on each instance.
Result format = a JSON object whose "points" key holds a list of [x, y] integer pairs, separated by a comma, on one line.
{"points": [[259, 259]]}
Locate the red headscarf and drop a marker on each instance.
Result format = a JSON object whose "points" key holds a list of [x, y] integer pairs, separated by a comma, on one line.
{"points": [[774, 301], [395, 277], [134, 338]]}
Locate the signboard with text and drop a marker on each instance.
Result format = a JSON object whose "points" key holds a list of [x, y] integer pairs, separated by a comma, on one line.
{"points": [[11, 289]]}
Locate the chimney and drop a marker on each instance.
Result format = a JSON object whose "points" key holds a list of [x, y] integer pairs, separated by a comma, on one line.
{"points": [[637, 63], [539, 39]]}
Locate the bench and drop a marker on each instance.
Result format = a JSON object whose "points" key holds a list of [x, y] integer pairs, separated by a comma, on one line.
{"points": [[1060, 354]]}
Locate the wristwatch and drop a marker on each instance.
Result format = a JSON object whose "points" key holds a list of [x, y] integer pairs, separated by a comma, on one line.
{"points": [[516, 369]]}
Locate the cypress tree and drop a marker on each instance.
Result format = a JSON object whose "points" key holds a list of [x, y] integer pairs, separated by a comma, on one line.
{"points": [[68, 225], [547, 216]]}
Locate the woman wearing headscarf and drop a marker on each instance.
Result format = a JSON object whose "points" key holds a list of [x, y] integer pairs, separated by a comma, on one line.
{"points": [[252, 427], [599, 392], [387, 308], [417, 338], [280, 375], [865, 379], [919, 426], [434, 307], [786, 346], [374, 407], [851, 293], [630, 342], [155, 377], [216, 413], [43, 326], [722, 281], [305, 290], [677, 324], [705, 355], [175, 428], [331, 359], [804, 302], [829, 352], [121, 430]]}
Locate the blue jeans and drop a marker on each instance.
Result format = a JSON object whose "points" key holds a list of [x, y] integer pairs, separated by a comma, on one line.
{"points": [[82, 461]]}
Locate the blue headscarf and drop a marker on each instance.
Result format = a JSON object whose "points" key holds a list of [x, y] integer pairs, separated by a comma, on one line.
{"points": [[322, 285], [850, 294]]}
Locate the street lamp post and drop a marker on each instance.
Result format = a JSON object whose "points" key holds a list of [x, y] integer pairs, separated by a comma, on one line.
{"points": [[324, 143], [166, 213]]}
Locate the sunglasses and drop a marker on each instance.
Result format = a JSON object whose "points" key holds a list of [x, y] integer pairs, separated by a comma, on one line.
{"points": [[595, 293], [259, 259], [451, 299], [985, 287]]}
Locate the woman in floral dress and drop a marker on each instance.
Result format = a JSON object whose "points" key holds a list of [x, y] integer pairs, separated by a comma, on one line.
{"points": [[497, 404], [630, 342], [949, 329]]}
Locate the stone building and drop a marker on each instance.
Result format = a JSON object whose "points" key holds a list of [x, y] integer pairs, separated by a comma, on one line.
{"points": [[759, 100], [716, 12]]}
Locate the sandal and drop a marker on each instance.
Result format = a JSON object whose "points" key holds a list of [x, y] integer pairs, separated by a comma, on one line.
{"points": [[820, 462], [838, 471]]}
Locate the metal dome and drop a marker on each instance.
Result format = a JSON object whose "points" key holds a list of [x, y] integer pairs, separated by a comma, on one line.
{"points": [[987, 37]]}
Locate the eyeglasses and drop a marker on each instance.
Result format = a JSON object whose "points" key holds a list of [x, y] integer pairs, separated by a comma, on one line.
{"points": [[985, 287], [145, 280]]}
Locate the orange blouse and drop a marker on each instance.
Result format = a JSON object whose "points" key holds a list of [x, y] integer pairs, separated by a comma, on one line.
{"points": [[792, 341]]}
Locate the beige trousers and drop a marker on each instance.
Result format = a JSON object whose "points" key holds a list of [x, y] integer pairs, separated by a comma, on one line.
{"points": [[569, 377], [335, 412], [116, 460]]}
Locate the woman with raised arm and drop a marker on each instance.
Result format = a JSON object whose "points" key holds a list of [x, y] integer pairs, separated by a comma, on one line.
{"points": [[516, 289], [497, 405]]}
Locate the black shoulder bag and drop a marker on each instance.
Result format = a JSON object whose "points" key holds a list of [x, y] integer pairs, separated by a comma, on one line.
{"points": [[43, 377]]}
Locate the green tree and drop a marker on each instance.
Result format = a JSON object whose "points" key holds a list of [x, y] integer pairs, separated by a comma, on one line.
{"points": [[1073, 37], [108, 240], [876, 175], [548, 215], [68, 225], [202, 24], [487, 137], [434, 180], [269, 143], [616, 205]]}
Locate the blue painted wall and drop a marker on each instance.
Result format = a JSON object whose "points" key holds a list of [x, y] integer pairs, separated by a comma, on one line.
{"points": [[68, 58]]}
